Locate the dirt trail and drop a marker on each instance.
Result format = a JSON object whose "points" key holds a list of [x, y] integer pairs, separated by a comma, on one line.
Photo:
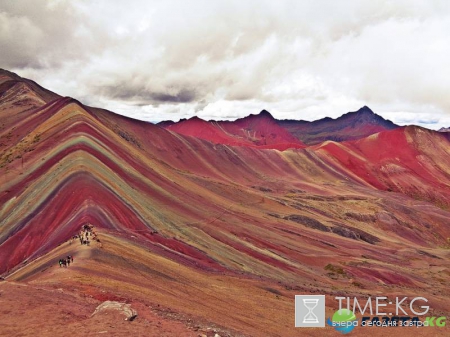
{"points": [[48, 263], [45, 303]]}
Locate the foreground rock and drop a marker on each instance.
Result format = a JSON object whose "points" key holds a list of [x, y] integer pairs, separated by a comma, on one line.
{"points": [[123, 308]]}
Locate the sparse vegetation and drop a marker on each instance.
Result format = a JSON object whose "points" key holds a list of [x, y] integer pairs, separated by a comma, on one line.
{"points": [[308, 222], [357, 284], [129, 138], [335, 271]]}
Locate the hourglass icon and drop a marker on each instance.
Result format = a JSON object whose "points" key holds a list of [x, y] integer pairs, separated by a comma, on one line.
{"points": [[310, 304]]}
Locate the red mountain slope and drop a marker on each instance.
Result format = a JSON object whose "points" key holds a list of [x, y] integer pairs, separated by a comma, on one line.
{"points": [[411, 160]]}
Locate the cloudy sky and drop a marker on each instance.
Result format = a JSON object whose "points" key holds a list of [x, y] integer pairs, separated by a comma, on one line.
{"points": [[158, 60]]}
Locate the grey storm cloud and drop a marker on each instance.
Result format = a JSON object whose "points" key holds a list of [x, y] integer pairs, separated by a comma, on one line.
{"points": [[156, 60], [43, 34], [141, 96]]}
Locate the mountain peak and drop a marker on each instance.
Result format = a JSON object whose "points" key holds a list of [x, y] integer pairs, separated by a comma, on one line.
{"points": [[366, 110], [195, 118], [352, 125], [366, 116], [265, 113]]}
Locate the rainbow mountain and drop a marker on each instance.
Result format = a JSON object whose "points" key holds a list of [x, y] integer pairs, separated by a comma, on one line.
{"points": [[189, 227]]}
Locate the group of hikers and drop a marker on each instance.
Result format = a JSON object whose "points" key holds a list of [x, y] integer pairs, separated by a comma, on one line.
{"points": [[66, 261], [85, 235]]}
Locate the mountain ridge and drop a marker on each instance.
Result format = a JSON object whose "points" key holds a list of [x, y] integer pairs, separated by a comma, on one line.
{"points": [[260, 130], [350, 126]]}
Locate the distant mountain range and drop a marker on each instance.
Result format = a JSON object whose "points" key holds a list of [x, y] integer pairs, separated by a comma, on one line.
{"points": [[352, 125], [264, 131], [261, 131]]}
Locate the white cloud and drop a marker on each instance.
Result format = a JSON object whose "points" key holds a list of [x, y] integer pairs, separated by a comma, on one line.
{"points": [[157, 60]]}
